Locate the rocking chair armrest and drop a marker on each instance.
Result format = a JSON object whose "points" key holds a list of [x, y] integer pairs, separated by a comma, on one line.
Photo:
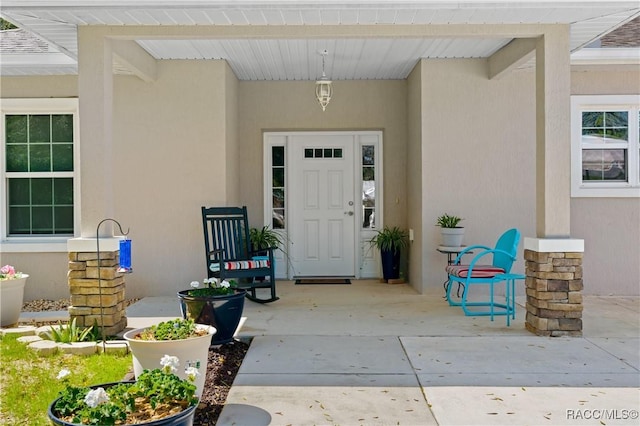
{"points": [[213, 252]]}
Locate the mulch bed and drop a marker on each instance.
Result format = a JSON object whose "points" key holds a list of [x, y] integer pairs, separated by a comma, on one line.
{"points": [[224, 363]]}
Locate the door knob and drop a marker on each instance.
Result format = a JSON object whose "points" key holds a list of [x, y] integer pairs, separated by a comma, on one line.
{"points": [[349, 213]]}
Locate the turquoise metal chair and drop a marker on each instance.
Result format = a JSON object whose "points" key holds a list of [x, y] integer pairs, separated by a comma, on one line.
{"points": [[490, 267]]}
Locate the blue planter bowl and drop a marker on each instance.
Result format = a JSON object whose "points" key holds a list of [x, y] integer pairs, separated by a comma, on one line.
{"points": [[183, 418], [222, 312]]}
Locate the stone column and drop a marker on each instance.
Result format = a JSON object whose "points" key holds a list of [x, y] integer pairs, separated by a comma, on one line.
{"points": [[88, 307], [554, 286]]}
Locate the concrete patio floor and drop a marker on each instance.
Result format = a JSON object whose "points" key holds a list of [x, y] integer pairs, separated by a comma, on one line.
{"points": [[373, 353]]}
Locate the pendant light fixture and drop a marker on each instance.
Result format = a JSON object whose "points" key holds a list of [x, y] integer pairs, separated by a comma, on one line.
{"points": [[323, 86]]}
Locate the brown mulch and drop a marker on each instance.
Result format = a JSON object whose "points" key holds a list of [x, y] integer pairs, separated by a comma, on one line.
{"points": [[224, 363]]}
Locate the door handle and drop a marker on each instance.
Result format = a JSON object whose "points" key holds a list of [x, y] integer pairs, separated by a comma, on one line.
{"points": [[349, 213]]}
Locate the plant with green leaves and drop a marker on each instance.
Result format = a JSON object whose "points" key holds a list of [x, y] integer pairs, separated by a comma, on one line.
{"points": [[177, 329], [154, 395], [264, 238], [390, 239], [70, 333], [448, 221]]}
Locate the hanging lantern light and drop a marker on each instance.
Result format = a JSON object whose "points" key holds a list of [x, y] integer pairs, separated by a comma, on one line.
{"points": [[323, 86]]}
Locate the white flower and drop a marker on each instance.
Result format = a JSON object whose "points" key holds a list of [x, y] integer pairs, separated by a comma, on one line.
{"points": [[195, 284], [170, 363], [211, 281], [96, 397], [225, 284], [191, 373], [63, 373]]}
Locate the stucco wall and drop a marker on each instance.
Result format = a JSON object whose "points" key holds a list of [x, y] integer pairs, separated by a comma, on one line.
{"points": [[415, 196], [170, 142], [609, 226], [173, 146], [291, 106], [479, 156]]}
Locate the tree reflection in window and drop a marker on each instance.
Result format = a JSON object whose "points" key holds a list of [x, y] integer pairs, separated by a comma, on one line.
{"points": [[278, 187], [368, 186]]}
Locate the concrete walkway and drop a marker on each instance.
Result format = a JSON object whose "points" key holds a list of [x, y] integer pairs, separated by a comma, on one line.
{"points": [[378, 354]]}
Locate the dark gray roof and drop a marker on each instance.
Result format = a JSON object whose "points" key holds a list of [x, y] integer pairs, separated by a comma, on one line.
{"points": [[22, 41], [628, 35]]}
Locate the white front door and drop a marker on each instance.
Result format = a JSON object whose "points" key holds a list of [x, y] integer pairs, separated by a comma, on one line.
{"points": [[322, 205]]}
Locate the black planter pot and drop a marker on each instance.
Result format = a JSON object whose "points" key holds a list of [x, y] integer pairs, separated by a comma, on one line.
{"points": [[222, 312], [390, 264], [183, 418]]}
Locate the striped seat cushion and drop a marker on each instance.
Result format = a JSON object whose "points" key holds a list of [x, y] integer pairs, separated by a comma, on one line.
{"points": [[479, 271], [241, 264]]}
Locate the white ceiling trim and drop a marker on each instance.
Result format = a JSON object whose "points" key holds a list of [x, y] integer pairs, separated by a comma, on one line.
{"points": [[296, 59]]}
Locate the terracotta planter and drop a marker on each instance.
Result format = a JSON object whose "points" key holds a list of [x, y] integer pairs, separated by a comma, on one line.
{"points": [[11, 297], [222, 312], [183, 418], [191, 352]]}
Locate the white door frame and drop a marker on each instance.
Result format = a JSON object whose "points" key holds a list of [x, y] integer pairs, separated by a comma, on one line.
{"points": [[367, 265]]}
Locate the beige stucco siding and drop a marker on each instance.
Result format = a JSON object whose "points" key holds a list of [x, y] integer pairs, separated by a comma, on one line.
{"points": [[609, 226], [170, 145], [454, 142], [356, 105], [416, 199], [479, 156]]}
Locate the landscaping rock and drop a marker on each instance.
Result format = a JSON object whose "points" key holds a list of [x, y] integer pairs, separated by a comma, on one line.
{"points": [[79, 348], [45, 330], [29, 339], [113, 346], [44, 347], [19, 331]]}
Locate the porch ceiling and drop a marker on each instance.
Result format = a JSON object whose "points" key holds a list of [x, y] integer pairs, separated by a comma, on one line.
{"points": [[297, 58]]}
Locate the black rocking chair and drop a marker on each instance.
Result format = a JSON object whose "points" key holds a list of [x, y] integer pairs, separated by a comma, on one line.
{"points": [[229, 255]]}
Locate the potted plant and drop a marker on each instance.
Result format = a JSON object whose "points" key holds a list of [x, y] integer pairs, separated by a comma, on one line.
{"points": [[219, 304], [264, 238], [11, 294], [390, 242], [157, 397], [452, 234], [182, 338]]}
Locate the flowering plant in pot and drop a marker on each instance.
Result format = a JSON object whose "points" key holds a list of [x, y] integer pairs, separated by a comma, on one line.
{"points": [[219, 304], [12, 285], [157, 397], [182, 338]]}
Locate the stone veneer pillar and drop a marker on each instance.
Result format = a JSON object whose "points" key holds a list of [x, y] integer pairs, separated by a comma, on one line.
{"points": [[554, 286], [84, 286]]}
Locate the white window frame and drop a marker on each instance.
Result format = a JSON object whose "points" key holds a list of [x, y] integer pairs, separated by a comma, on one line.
{"points": [[40, 243], [582, 103]]}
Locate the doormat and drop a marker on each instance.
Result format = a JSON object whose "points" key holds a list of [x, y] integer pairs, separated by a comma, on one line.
{"points": [[303, 281]]}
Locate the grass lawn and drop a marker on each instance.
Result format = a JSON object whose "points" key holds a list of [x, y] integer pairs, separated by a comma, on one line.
{"points": [[29, 382]]}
